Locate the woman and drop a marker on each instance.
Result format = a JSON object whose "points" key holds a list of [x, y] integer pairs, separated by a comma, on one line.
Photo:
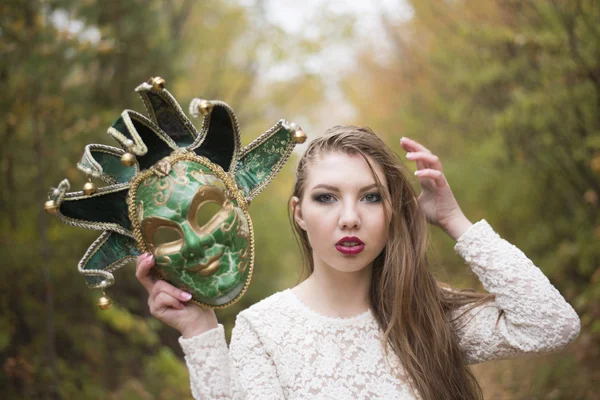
{"points": [[370, 321]]}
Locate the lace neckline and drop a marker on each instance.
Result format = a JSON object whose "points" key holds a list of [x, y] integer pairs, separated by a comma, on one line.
{"points": [[311, 314]]}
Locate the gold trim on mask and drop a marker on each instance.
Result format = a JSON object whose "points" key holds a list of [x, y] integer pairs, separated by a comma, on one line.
{"points": [[151, 225], [209, 267], [165, 261], [243, 254], [204, 195]]}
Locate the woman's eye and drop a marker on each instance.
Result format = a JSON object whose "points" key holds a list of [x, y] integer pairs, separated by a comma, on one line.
{"points": [[372, 197], [324, 198]]}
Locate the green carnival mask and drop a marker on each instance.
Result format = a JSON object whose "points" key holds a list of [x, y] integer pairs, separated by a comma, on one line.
{"points": [[192, 222], [175, 192]]}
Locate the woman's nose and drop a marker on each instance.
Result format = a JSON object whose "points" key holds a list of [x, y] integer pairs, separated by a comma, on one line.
{"points": [[349, 217]]}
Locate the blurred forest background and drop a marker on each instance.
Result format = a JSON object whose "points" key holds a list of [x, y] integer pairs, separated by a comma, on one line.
{"points": [[506, 92]]}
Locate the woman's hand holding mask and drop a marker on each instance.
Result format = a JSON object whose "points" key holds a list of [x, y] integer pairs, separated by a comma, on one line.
{"points": [[171, 305], [436, 199]]}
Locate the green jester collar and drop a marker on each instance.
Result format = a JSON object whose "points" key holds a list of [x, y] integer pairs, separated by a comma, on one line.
{"points": [[175, 192]]}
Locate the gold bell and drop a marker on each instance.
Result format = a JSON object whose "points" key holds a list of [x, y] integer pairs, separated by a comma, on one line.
{"points": [[157, 83], [51, 207], [89, 188], [205, 107], [128, 159], [299, 136], [104, 302]]}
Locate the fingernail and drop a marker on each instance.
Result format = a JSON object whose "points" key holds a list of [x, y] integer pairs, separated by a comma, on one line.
{"points": [[419, 172], [186, 295], [409, 155]]}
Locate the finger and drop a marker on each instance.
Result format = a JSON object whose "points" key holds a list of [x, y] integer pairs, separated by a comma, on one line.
{"points": [[166, 287], [144, 264], [162, 302], [437, 176], [427, 159], [412, 145]]}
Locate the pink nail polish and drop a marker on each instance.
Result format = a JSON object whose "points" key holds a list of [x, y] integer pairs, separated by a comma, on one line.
{"points": [[186, 296]]}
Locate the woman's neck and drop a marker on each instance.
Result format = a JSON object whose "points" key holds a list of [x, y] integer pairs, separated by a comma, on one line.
{"points": [[335, 293]]}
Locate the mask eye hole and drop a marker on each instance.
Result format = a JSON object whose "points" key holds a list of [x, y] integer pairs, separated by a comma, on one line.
{"points": [[165, 235], [162, 236], [206, 212], [209, 209]]}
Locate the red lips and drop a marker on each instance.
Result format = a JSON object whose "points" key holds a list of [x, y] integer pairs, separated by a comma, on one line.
{"points": [[350, 239], [350, 245]]}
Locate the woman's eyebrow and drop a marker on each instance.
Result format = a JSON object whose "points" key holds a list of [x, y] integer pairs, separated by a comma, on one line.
{"points": [[335, 189]]}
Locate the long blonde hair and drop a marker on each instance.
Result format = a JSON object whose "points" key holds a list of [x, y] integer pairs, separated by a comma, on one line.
{"points": [[410, 306]]}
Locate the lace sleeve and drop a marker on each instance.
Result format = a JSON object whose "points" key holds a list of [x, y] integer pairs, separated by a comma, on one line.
{"points": [[253, 363], [243, 372], [535, 317]]}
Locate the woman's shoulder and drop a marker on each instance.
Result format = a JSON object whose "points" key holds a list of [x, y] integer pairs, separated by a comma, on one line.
{"points": [[274, 307], [270, 319]]}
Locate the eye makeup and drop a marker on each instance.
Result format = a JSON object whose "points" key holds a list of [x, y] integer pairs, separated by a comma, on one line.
{"points": [[323, 197], [372, 197]]}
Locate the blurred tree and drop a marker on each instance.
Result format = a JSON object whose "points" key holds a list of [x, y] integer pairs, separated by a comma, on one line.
{"points": [[508, 94], [67, 69]]}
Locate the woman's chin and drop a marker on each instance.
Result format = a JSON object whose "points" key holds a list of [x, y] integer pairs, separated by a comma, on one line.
{"points": [[350, 265]]}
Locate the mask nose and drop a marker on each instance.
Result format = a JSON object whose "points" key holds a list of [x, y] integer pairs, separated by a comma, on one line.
{"points": [[195, 246]]}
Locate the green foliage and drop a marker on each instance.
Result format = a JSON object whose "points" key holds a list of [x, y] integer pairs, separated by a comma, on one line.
{"points": [[165, 374], [68, 68], [508, 94], [134, 328], [505, 92]]}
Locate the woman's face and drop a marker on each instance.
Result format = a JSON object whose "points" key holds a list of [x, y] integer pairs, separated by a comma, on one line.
{"points": [[342, 211]]}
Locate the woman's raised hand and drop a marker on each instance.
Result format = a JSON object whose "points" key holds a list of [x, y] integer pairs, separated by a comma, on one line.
{"points": [[171, 305], [436, 199]]}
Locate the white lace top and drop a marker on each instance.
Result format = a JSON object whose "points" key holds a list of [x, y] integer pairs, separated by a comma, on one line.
{"points": [[280, 349]]}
